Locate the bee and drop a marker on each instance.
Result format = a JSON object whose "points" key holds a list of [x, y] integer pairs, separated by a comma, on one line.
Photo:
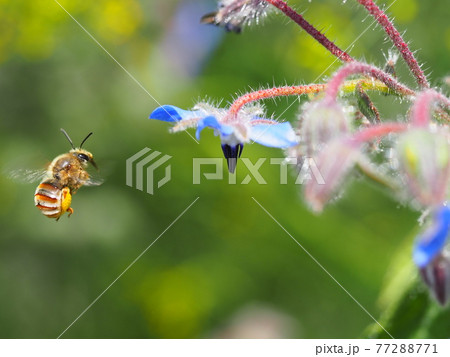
{"points": [[62, 179]]}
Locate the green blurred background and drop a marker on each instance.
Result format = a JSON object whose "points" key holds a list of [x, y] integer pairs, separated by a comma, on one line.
{"points": [[225, 268]]}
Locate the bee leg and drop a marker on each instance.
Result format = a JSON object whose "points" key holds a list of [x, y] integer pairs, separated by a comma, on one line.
{"points": [[66, 200]]}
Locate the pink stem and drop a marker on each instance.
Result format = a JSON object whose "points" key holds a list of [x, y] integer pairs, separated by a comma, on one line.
{"points": [[358, 67], [377, 131], [263, 121], [271, 93], [398, 41], [310, 29], [420, 112]]}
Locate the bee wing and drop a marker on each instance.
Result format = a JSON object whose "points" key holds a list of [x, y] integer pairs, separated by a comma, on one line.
{"points": [[94, 181], [27, 175]]}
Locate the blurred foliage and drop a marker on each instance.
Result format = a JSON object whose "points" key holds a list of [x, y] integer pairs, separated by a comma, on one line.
{"points": [[225, 254], [409, 311], [32, 29]]}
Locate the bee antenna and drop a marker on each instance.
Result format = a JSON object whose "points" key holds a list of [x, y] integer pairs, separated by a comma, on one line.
{"points": [[68, 137], [85, 139]]}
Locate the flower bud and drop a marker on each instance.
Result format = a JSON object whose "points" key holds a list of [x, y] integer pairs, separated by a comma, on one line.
{"points": [[333, 163], [424, 159], [321, 122], [431, 256], [437, 277]]}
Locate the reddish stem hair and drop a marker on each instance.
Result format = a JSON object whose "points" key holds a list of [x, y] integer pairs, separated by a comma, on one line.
{"points": [[363, 68], [376, 131], [398, 41], [310, 29], [421, 110], [271, 93]]}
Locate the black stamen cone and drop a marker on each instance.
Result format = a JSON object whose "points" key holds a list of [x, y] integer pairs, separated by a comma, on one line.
{"points": [[232, 153]]}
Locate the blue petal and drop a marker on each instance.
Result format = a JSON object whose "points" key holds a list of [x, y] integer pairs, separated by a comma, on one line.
{"points": [[171, 113], [212, 122], [279, 135], [432, 241]]}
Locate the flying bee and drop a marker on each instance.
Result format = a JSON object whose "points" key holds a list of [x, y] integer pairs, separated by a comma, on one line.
{"points": [[63, 177]]}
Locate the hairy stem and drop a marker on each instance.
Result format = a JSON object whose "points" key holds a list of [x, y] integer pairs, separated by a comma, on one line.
{"points": [[366, 106], [421, 110], [310, 29], [398, 41], [377, 131], [366, 84], [356, 67], [347, 87], [443, 116], [271, 93]]}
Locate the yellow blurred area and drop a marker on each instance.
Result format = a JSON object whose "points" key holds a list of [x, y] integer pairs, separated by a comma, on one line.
{"points": [[117, 20], [403, 11], [176, 301], [447, 38], [411, 158], [32, 29]]}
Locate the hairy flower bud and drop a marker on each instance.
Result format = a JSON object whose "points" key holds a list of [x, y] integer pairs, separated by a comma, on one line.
{"points": [[431, 256], [333, 163], [437, 277], [321, 122], [424, 158]]}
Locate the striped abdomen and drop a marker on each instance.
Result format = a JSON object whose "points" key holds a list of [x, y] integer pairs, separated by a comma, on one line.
{"points": [[52, 200]]}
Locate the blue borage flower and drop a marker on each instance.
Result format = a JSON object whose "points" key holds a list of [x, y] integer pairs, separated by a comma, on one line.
{"points": [[431, 242], [250, 125], [431, 257]]}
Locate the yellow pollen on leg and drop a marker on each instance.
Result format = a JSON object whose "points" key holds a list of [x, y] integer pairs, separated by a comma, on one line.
{"points": [[66, 200]]}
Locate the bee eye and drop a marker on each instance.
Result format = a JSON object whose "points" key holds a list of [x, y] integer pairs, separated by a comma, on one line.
{"points": [[83, 157]]}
